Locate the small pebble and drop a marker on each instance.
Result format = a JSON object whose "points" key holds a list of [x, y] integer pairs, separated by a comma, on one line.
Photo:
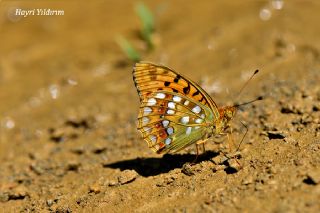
{"points": [[276, 135], [258, 187], [4, 197], [112, 183], [127, 176], [234, 166], [50, 202], [288, 109], [314, 176], [95, 188], [73, 166], [248, 180], [168, 179], [187, 169], [219, 159], [218, 168]]}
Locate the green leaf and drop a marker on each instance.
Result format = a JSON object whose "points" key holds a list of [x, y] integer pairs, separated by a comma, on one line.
{"points": [[147, 21], [128, 49]]}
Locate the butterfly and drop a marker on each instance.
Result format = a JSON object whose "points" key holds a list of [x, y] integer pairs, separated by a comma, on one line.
{"points": [[175, 112]]}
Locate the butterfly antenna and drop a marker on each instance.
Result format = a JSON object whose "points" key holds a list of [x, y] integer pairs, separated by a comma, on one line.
{"points": [[244, 86], [249, 102]]}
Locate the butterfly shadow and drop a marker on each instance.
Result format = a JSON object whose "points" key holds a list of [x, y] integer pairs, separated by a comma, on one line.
{"points": [[154, 166]]}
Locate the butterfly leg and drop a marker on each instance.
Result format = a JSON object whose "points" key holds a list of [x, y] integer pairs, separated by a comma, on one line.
{"points": [[223, 152], [231, 139], [238, 148], [225, 147], [229, 152], [197, 149], [196, 158]]}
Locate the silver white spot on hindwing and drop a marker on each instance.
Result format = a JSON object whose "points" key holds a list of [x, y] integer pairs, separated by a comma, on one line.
{"points": [[160, 95], [157, 147], [151, 102], [196, 109], [185, 119], [170, 130], [188, 131], [153, 138], [198, 120], [171, 105], [176, 98], [145, 120], [147, 110], [165, 123], [147, 129], [168, 141], [170, 112]]}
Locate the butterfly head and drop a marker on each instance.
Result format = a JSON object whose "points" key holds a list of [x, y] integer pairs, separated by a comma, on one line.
{"points": [[226, 114]]}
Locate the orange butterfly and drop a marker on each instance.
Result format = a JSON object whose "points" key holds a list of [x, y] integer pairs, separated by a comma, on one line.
{"points": [[175, 112]]}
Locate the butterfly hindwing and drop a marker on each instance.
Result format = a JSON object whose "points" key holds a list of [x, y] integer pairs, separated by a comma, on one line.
{"points": [[169, 121]]}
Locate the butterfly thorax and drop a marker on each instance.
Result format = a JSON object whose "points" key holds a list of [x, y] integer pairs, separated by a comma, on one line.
{"points": [[226, 114]]}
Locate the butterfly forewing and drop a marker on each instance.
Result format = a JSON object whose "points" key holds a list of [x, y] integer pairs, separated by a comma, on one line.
{"points": [[150, 77], [174, 111]]}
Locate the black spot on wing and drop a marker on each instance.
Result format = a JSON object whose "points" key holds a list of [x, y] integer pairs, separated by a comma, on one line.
{"points": [[196, 93], [186, 90], [176, 79], [166, 83]]}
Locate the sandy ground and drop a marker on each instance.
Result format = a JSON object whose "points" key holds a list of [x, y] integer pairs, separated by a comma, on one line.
{"points": [[69, 106]]}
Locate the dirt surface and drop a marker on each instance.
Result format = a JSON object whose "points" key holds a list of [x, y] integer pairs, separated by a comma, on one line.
{"points": [[69, 106]]}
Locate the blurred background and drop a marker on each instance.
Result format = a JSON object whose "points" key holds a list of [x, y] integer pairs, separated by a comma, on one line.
{"points": [[53, 66], [53, 61], [66, 82]]}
